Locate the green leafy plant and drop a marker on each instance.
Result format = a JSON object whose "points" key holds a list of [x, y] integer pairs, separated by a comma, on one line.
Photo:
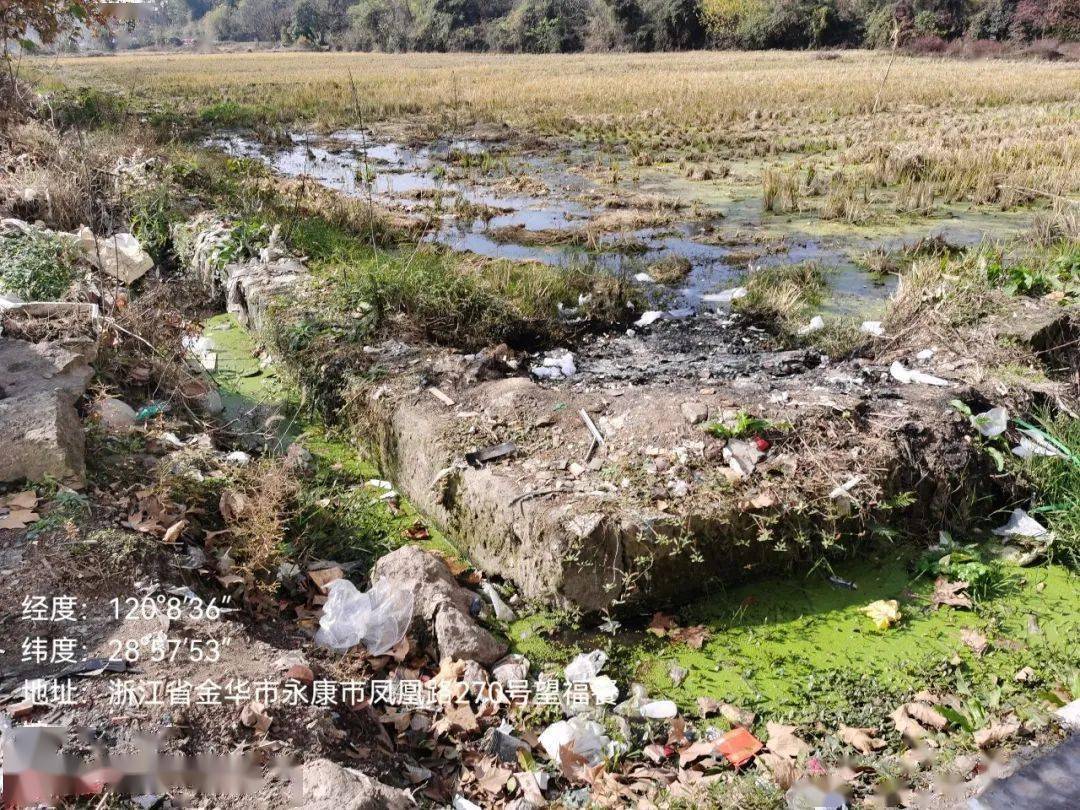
{"points": [[36, 266]]}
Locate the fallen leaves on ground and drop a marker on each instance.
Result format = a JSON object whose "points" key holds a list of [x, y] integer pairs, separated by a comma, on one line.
{"points": [[927, 715], [884, 613], [782, 740], [951, 594], [783, 770], [974, 639], [995, 733], [863, 740], [663, 625]]}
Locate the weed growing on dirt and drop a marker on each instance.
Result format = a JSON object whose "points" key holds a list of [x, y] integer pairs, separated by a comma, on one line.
{"points": [[36, 266]]}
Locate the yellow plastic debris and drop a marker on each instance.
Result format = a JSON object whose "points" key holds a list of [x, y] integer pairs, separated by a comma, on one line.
{"points": [[884, 613]]}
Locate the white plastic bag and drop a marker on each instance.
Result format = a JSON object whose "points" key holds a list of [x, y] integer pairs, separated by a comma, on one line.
{"points": [[585, 666], [586, 738], [377, 618]]}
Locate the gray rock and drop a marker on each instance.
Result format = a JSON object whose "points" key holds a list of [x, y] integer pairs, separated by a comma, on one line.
{"points": [[459, 637], [328, 786], [297, 458], [114, 415], [512, 668], [430, 580], [694, 412], [40, 431]]}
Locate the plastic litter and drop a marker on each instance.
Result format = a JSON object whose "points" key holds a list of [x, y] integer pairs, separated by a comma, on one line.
{"points": [[992, 422], [586, 738], [585, 666], [649, 317], [1069, 715], [873, 328], [239, 458], [1032, 444], [816, 324], [486, 454], [604, 690], [555, 366], [725, 296], [926, 354], [150, 411], [1021, 524], [461, 803], [659, 709], [644, 278], [906, 375], [377, 618], [739, 746], [503, 612]]}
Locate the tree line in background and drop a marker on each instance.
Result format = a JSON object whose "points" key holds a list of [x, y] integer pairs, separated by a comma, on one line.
{"points": [[550, 26]]}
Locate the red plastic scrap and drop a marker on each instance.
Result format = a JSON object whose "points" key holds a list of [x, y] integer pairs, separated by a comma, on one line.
{"points": [[739, 746]]}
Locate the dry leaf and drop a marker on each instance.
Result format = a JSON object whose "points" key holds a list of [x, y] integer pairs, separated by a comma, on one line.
{"points": [[974, 639], [172, 534], [695, 751], [661, 623], [782, 740], [20, 500], [324, 576], [736, 716], [951, 593], [995, 733], [493, 780], [693, 637], [884, 613], [458, 717], [784, 771], [927, 715], [907, 727], [232, 504], [18, 519], [862, 740]]}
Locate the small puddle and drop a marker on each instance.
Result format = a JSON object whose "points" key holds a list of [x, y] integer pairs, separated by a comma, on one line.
{"points": [[480, 191]]}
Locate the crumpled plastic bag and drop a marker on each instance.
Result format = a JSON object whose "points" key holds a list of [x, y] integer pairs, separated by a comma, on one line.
{"points": [[377, 618], [586, 738], [585, 666]]}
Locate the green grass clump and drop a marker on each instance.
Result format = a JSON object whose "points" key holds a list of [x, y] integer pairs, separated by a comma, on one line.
{"points": [[745, 425], [232, 114], [1056, 482], [36, 266], [783, 295]]}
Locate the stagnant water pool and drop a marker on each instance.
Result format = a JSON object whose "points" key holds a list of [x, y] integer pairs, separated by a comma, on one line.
{"points": [[477, 208]]}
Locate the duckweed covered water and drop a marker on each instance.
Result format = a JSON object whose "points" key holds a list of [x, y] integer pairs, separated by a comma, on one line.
{"points": [[778, 644]]}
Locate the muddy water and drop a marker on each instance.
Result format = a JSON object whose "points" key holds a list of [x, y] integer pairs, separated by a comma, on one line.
{"points": [[478, 190]]}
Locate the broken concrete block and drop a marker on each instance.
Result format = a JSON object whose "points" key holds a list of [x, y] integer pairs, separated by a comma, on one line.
{"points": [[40, 431], [119, 256], [41, 435], [459, 637], [427, 576], [328, 786]]}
